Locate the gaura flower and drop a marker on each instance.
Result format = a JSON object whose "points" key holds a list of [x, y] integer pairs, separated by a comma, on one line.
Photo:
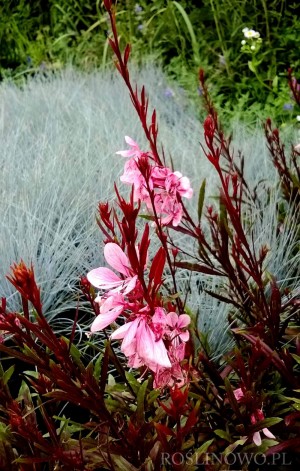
{"points": [[104, 278], [167, 187], [135, 151], [238, 393], [174, 376], [177, 183], [256, 417], [177, 325], [110, 308], [140, 345], [168, 208]]}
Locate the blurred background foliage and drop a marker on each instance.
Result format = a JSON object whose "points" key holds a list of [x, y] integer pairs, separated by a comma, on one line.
{"points": [[181, 36]]}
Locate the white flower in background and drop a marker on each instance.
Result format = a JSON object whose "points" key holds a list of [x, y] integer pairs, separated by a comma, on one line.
{"points": [[250, 33], [298, 117], [252, 42]]}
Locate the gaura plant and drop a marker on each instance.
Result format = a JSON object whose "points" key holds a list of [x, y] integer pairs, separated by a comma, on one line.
{"points": [[150, 394]]}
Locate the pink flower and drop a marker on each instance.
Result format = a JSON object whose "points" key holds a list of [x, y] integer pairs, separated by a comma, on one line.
{"points": [[177, 325], [159, 320], [133, 152], [256, 417], [104, 278], [167, 186], [133, 176], [170, 207], [177, 183], [174, 376], [238, 393], [174, 326], [140, 346], [110, 309]]}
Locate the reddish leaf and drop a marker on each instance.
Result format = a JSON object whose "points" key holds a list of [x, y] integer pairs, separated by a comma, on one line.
{"points": [[199, 268], [157, 266]]}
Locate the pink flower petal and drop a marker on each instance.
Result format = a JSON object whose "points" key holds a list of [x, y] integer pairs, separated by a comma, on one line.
{"points": [[267, 433], [129, 343], [121, 331], [134, 151], [152, 352], [178, 352], [160, 354], [126, 153], [116, 258], [238, 394], [134, 361], [103, 320], [131, 142], [184, 336], [257, 438], [172, 319], [131, 284], [103, 277], [183, 321], [111, 302], [159, 316]]}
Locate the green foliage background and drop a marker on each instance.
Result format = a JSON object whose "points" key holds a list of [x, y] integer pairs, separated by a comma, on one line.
{"points": [[182, 36]]}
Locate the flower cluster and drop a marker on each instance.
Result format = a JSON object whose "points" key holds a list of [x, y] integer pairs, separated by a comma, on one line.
{"points": [[252, 41], [151, 337], [154, 335], [158, 187]]}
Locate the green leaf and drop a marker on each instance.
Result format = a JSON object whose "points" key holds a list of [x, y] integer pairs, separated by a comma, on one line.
{"points": [[7, 374], [266, 423], [251, 67], [74, 352], [97, 368], [233, 446], [120, 463], [140, 410], [296, 357], [148, 218], [201, 199], [152, 396], [223, 434], [275, 82], [190, 28], [194, 459], [135, 385], [5, 433], [69, 425]]}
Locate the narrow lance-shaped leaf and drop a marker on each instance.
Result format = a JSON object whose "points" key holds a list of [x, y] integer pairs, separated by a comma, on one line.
{"points": [[140, 410], [201, 199], [276, 360], [157, 266], [199, 268], [104, 368]]}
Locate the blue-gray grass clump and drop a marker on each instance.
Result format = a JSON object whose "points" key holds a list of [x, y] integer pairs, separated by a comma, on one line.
{"points": [[58, 138]]}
